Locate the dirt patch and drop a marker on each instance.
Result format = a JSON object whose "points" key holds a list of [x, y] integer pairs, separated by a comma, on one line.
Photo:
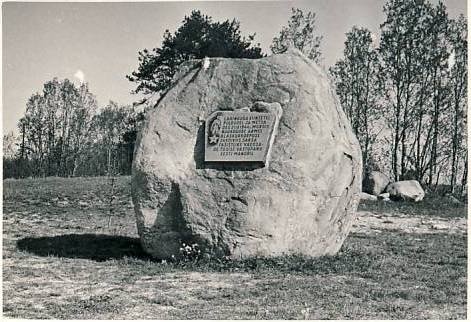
{"points": [[369, 222]]}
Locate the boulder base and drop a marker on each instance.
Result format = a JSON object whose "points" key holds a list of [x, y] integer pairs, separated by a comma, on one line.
{"points": [[303, 200], [409, 190]]}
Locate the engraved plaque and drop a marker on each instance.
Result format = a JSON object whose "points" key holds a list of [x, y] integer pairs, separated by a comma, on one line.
{"points": [[238, 136]]}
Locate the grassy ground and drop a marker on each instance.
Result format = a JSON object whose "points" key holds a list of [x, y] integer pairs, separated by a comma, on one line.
{"points": [[431, 206], [67, 256]]}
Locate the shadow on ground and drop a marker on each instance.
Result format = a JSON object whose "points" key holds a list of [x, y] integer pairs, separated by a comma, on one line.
{"points": [[362, 254], [86, 246]]}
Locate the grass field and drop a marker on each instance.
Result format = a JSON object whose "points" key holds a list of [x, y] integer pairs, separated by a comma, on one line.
{"points": [[70, 251]]}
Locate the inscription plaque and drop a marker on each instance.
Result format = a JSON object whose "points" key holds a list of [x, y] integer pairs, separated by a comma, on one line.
{"points": [[238, 136]]}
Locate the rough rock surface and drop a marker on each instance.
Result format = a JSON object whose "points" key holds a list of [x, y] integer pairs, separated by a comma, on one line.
{"points": [[303, 202], [375, 182], [408, 190]]}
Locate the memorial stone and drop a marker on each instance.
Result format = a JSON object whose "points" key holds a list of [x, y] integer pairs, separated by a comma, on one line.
{"points": [[247, 157]]}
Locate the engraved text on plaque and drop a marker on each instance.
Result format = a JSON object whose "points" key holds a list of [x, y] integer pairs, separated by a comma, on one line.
{"points": [[238, 136]]}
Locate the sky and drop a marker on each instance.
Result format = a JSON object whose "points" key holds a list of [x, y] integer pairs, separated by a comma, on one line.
{"points": [[98, 42]]}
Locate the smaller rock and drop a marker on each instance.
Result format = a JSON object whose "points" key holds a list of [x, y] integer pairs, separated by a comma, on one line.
{"points": [[464, 191], [367, 196], [453, 199], [439, 226], [408, 190], [83, 204], [383, 196], [375, 182]]}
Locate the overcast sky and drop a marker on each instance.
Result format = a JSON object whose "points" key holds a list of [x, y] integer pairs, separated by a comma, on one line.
{"points": [[98, 42]]}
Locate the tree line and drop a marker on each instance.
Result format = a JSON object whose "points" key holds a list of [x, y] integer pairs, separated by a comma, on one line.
{"points": [[406, 97], [404, 92], [64, 133]]}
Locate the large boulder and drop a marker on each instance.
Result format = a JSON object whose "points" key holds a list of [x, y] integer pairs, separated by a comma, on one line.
{"points": [[375, 182], [408, 190], [303, 200]]}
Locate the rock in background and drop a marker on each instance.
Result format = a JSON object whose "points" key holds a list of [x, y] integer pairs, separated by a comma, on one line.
{"points": [[409, 190], [367, 196], [384, 196], [375, 183], [303, 202]]}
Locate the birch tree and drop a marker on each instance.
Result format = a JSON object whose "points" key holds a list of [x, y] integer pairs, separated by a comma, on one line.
{"points": [[359, 86], [401, 50], [458, 84], [300, 33]]}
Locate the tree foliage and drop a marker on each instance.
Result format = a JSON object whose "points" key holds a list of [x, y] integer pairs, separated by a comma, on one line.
{"points": [[64, 133], [300, 34], [415, 51], [197, 37], [421, 68], [359, 87], [112, 137], [54, 126], [458, 98]]}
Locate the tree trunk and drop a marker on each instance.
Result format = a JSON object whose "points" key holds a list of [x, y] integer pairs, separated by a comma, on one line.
{"points": [[396, 137], [22, 155], [433, 152], [454, 151], [464, 178]]}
